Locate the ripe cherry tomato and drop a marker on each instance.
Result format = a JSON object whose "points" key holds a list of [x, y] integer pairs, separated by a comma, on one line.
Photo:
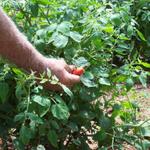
{"points": [[78, 71]]}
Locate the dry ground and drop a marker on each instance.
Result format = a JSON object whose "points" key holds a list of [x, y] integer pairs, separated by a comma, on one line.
{"points": [[142, 97]]}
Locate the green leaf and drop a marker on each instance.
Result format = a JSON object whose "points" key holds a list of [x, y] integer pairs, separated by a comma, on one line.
{"points": [[129, 83], [43, 101], [143, 79], [67, 91], [60, 111], [116, 19], [88, 95], [130, 30], [59, 40], [100, 135], [49, 74], [104, 81], [145, 131], [52, 137], [105, 123], [88, 75], [34, 9], [64, 28], [76, 36], [41, 33], [18, 72], [87, 81], [51, 28], [34, 118], [18, 145], [140, 34], [25, 134], [73, 126], [81, 62], [54, 124], [4, 91], [19, 117], [42, 2], [145, 64], [109, 29]]}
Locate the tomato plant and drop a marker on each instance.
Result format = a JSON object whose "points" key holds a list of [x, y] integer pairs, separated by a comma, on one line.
{"points": [[99, 35]]}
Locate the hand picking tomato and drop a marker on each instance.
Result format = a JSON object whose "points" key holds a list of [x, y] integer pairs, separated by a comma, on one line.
{"points": [[78, 71]]}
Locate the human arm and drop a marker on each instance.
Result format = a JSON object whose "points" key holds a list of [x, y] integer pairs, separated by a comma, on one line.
{"points": [[15, 47]]}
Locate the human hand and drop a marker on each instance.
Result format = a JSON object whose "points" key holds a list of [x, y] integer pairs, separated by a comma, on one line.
{"points": [[62, 71]]}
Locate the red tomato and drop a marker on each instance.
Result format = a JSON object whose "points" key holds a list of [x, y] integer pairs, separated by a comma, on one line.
{"points": [[78, 71]]}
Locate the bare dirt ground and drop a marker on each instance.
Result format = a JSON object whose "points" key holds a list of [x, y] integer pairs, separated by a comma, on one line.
{"points": [[143, 99]]}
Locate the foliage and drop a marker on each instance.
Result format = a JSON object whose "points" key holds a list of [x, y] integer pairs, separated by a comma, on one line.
{"points": [[101, 36]]}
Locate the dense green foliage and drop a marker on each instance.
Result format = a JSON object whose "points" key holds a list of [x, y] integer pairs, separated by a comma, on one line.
{"points": [[111, 40]]}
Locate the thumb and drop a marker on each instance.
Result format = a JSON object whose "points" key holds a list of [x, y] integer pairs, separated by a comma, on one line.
{"points": [[72, 78]]}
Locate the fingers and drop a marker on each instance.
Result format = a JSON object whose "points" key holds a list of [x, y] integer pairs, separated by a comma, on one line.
{"points": [[69, 68], [71, 79], [64, 73]]}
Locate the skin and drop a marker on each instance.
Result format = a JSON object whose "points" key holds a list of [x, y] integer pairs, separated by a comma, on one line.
{"points": [[16, 48]]}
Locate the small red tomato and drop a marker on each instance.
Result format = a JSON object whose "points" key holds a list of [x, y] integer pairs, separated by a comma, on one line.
{"points": [[78, 71]]}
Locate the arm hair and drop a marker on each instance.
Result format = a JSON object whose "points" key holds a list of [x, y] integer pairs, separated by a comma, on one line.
{"points": [[15, 47]]}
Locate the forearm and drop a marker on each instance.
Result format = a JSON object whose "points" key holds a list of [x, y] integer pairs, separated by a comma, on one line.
{"points": [[15, 47]]}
